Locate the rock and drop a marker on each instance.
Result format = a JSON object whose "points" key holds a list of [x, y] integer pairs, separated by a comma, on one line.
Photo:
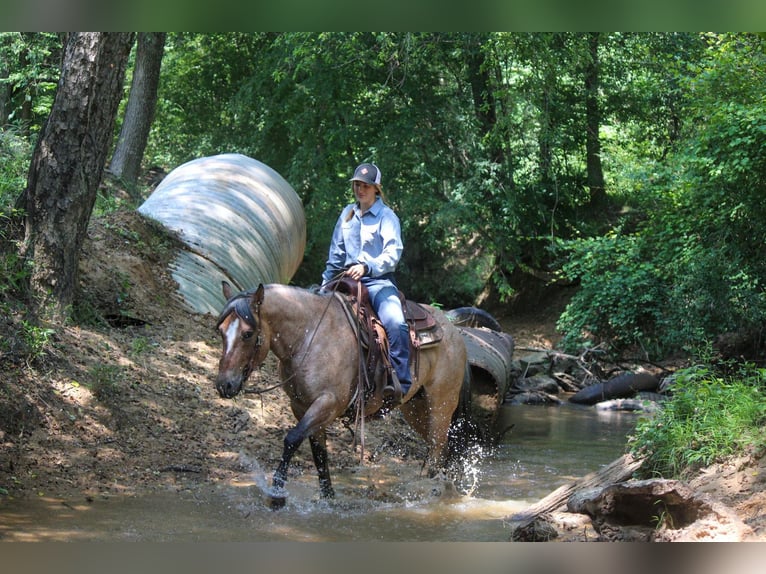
{"points": [[539, 529], [541, 383], [534, 363], [630, 405]]}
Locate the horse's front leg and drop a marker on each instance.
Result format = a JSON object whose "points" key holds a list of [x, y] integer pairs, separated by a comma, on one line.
{"points": [[321, 413], [318, 443], [293, 439]]}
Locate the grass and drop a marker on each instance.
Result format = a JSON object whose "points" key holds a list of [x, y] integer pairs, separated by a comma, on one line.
{"points": [[711, 415]]}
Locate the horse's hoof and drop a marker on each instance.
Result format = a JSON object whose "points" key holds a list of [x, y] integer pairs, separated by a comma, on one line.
{"points": [[277, 501], [276, 498]]}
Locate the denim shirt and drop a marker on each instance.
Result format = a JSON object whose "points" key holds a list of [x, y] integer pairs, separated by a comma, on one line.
{"points": [[374, 239]]}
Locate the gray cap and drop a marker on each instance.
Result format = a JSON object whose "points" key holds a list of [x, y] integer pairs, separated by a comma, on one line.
{"points": [[368, 173]]}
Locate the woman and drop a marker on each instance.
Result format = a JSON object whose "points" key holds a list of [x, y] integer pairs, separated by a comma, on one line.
{"points": [[367, 245]]}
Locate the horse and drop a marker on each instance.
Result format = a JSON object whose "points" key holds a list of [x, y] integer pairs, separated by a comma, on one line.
{"points": [[319, 368]]}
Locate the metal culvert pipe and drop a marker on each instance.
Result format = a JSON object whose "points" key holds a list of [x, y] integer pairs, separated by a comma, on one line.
{"points": [[240, 221], [491, 352]]}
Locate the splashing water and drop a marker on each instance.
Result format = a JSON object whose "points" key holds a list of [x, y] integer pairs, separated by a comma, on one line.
{"points": [[471, 471]]}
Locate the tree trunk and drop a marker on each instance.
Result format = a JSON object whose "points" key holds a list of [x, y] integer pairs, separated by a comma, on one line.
{"points": [[485, 104], [67, 166], [5, 92], [617, 471], [139, 112], [593, 118], [545, 134]]}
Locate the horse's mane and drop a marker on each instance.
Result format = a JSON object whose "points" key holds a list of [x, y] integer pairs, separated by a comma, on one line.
{"points": [[240, 304]]}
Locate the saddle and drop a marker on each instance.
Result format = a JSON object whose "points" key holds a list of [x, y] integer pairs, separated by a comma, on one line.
{"points": [[425, 331]]}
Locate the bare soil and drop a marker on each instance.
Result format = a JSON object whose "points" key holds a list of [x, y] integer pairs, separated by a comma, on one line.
{"points": [[122, 402]]}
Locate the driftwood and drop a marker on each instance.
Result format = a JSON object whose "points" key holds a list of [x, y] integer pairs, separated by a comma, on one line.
{"points": [[616, 471]]}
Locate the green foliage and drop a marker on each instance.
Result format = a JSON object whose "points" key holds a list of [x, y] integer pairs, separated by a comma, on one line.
{"points": [[104, 381], [480, 136], [14, 162], [621, 297], [15, 155], [36, 338], [30, 62], [139, 345], [312, 106], [13, 273], [710, 416], [685, 263], [481, 140]]}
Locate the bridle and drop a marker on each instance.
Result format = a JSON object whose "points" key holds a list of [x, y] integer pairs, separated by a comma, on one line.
{"points": [[241, 306]]}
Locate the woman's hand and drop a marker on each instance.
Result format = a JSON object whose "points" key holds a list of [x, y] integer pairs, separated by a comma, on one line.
{"points": [[356, 271]]}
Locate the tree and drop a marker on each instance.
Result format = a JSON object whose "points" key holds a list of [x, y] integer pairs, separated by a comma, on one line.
{"points": [[139, 112], [29, 72], [593, 121], [67, 166]]}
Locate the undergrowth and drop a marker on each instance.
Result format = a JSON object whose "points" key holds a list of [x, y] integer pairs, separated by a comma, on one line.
{"points": [[713, 414]]}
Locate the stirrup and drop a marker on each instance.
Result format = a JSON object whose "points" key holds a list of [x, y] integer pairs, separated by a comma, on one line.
{"points": [[392, 392]]}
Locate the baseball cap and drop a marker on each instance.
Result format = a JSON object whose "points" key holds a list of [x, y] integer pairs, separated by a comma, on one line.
{"points": [[368, 173]]}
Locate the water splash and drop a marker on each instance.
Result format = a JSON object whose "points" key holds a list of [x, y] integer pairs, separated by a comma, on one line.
{"points": [[471, 471]]}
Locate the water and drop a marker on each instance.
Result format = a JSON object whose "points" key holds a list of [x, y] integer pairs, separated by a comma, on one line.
{"points": [[547, 447]]}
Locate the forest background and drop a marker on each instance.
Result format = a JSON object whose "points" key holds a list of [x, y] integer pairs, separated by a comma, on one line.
{"points": [[631, 165]]}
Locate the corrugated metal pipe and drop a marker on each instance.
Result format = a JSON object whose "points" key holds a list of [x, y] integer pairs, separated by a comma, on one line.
{"points": [[240, 221]]}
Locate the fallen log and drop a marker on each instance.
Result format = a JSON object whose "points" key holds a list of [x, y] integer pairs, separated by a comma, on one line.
{"points": [[622, 386], [617, 471]]}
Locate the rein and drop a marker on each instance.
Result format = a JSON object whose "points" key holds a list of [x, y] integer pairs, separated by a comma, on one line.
{"points": [[360, 385], [308, 345], [362, 377]]}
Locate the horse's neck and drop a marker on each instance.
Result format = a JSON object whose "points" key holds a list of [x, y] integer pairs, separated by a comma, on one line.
{"points": [[292, 315]]}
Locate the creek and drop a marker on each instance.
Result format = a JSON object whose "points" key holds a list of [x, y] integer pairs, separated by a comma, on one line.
{"points": [[546, 448]]}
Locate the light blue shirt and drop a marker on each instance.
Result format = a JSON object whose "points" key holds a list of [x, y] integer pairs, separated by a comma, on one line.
{"points": [[374, 239]]}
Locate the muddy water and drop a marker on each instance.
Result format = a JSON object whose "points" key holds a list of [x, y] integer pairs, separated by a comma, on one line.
{"points": [[547, 447]]}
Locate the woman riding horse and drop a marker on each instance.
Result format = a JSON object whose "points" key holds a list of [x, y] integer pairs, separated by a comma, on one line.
{"points": [[367, 245]]}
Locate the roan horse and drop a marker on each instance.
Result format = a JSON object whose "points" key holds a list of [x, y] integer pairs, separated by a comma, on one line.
{"points": [[318, 354]]}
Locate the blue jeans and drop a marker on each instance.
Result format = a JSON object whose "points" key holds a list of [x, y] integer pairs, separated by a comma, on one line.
{"points": [[385, 300]]}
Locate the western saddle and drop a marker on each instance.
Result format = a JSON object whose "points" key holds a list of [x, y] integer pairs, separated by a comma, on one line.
{"points": [[425, 331]]}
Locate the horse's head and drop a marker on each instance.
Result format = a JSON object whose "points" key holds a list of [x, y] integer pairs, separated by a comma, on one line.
{"points": [[243, 339]]}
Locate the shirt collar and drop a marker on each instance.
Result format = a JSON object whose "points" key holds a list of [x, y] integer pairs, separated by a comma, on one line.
{"points": [[374, 208]]}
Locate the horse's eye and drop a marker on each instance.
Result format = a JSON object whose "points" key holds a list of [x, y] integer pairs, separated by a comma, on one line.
{"points": [[246, 335]]}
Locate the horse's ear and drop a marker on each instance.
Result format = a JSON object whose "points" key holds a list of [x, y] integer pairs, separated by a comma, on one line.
{"points": [[258, 297], [226, 290]]}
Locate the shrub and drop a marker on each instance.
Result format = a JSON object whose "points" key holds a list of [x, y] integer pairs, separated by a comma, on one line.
{"points": [[709, 417], [621, 295]]}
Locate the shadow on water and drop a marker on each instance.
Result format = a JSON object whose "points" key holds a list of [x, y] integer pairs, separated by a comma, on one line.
{"points": [[548, 447]]}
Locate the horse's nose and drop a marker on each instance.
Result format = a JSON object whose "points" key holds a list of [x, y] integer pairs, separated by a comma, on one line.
{"points": [[226, 389]]}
